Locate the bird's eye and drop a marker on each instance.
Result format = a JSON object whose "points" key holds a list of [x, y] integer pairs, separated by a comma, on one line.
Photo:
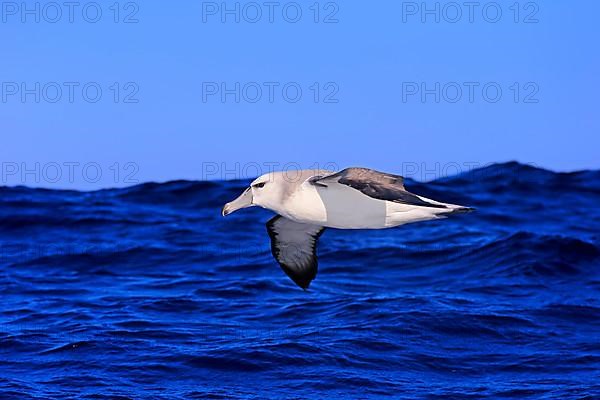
{"points": [[259, 185]]}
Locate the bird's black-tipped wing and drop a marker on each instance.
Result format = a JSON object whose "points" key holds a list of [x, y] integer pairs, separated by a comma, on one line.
{"points": [[294, 246], [375, 184]]}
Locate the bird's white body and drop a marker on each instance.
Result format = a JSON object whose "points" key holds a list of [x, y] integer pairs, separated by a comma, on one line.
{"points": [[340, 206]]}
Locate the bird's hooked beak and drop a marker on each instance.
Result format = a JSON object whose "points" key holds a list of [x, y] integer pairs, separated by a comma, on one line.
{"points": [[245, 200]]}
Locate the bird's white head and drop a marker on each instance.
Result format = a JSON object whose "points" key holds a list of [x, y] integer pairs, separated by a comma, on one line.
{"points": [[265, 191]]}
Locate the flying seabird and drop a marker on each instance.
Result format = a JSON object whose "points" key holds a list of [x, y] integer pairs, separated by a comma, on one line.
{"points": [[308, 201]]}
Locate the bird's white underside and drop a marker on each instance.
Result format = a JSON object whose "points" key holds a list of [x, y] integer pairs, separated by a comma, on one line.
{"points": [[340, 206]]}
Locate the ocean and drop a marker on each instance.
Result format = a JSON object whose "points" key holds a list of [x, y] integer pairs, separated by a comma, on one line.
{"points": [[147, 292]]}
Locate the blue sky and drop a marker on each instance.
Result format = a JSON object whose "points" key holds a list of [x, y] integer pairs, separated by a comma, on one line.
{"points": [[386, 86]]}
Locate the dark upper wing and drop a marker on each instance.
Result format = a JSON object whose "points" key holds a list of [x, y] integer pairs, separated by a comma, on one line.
{"points": [[375, 184], [294, 247]]}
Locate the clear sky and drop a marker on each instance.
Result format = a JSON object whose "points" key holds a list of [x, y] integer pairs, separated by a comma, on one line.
{"points": [[188, 92]]}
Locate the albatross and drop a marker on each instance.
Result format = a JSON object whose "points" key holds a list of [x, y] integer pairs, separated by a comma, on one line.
{"points": [[308, 201]]}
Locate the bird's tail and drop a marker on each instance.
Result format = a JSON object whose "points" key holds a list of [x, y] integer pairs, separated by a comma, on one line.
{"points": [[459, 210]]}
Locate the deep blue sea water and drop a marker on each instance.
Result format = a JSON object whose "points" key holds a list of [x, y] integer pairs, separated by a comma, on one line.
{"points": [[148, 293]]}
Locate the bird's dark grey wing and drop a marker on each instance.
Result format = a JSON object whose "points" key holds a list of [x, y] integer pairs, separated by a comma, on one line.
{"points": [[294, 247], [375, 184]]}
